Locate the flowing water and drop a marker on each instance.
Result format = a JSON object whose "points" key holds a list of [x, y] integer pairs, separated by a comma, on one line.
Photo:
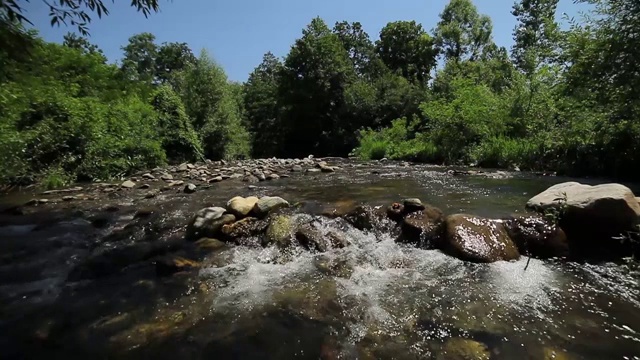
{"points": [[374, 299]]}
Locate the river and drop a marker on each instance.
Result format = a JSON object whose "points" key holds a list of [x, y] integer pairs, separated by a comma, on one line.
{"points": [[374, 299]]}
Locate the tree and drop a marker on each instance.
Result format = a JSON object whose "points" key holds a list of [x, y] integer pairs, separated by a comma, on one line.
{"points": [[316, 73], [537, 34], [74, 41], [140, 56], [262, 107], [462, 33], [179, 140], [405, 47], [210, 104], [71, 12], [357, 44], [171, 58]]}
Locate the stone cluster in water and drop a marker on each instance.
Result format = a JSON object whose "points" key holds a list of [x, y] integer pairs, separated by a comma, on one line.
{"points": [[189, 177]]}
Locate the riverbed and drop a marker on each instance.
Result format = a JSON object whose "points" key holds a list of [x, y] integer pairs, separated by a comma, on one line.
{"points": [[374, 299]]}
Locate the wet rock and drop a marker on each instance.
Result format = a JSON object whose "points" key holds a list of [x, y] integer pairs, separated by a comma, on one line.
{"points": [[313, 170], [143, 213], [311, 238], [596, 219], [395, 212], [333, 266], [412, 205], [209, 244], [216, 179], [279, 231], [537, 237], [477, 239], [259, 175], [266, 204], [183, 167], [322, 164], [296, 168], [327, 169], [363, 217], [423, 228], [144, 186], [36, 202], [166, 177], [190, 189], [250, 179], [337, 240], [109, 261], [244, 228], [68, 198], [170, 265], [273, 177], [151, 194], [241, 207], [555, 354], [148, 176], [208, 222], [128, 184], [464, 349]]}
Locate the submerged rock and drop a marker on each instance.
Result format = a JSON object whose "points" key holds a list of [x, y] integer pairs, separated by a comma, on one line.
{"points": [[266, 204], [208, 222], [311, 238], [170, 265], [209, 244], [464, 349], [597, 219], [537, 237], [423, 227], [241, 207], [477, 239]]}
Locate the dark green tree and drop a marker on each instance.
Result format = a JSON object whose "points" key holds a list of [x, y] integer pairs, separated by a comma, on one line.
{"points": [[462, 33], [140, 55], [262, 108], [537, 34], [171, 58], [316, 72], [406, 48], [357, 44]]}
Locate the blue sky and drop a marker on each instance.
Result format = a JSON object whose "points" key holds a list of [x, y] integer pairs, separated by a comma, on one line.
{"points": [[238, 32]]}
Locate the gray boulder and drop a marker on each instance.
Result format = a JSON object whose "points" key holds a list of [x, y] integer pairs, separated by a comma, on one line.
{"points": [[596, 219], [207, 223], [267, 204]]}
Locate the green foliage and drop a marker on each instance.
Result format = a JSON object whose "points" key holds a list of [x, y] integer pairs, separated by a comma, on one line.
{"points": [[462, 33], [179, 139], [212, 105], [406, 48], [72, 12], [55, 178]]}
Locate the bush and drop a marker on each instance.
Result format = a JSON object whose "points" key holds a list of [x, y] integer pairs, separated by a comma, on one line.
{"points": [[502, 152]]}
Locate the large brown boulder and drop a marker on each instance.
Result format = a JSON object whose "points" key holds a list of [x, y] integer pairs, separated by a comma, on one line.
{"points": [[477, 239], [537, 237], [597, 219], [423, 228]]}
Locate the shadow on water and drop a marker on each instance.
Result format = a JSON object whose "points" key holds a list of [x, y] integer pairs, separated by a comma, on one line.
{"points": [[78, 280]]}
